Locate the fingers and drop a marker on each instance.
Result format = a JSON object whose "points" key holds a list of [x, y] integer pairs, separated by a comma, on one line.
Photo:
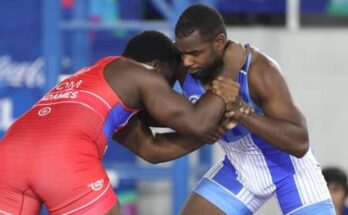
{"points": [[246, 109], [237, 109], [227, 80], [225, 88], [231, 124], [221, 81], [230, 114], [228, 121]]}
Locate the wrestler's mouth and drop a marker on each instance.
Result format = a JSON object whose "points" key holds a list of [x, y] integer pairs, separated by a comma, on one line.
{"points": [[194, 71]]}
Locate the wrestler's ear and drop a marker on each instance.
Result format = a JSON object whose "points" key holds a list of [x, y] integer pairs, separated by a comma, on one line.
{"points": [[153, 63], [220, 41]]}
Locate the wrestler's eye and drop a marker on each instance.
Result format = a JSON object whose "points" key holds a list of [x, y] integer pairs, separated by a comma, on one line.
{"points": [[195, 53]]}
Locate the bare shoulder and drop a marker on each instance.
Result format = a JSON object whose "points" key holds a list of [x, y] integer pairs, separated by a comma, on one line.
{"points": [[264, 74], [263, 65], [126, 65], [128, 79], [131, 70]]}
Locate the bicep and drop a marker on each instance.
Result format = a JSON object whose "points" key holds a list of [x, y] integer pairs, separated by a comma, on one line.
{"points": [[274, 95], [145, 117], [164, 104]]}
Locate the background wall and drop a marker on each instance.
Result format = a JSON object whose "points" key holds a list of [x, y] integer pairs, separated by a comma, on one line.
{"points": [[312, 60], [314, 65]]}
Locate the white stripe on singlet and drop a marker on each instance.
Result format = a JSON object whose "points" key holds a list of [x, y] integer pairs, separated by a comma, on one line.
{"points": [[309, 180], [213, 170], [250, 200], [250, 164], [91, 202], [67, 102], [97, 96], [5, 213]]}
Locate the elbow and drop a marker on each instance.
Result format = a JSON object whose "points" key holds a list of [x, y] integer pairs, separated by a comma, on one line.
{"points": [[153, 161], [300, 152], [302, 147], [199, 131], [155, 157], [156, 160]]}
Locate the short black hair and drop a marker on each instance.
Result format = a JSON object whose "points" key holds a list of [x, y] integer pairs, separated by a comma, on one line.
{"points": [[150, 45], [202, 18], [336, 175]]}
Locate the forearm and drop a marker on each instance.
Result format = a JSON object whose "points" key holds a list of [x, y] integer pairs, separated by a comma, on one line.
{"points": [[207, 114], [161, 147], [138, 138], [284, 135], [170, 146], [146, 118], [175, 111]]}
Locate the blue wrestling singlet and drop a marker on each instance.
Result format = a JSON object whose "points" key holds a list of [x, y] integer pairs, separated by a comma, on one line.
{"points": [[253, 171]]}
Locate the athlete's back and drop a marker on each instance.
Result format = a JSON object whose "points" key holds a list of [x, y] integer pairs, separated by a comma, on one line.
{"points": [[53, 151], [52, 154], [77, 109]]}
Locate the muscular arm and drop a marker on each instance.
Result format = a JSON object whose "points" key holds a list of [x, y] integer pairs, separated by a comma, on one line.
{"points": [[283, 125], [148, 120], [138, 138], [175, 111]]}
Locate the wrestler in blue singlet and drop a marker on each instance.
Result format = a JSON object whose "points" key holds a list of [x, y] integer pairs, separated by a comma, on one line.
{"points": [[252, 171]]}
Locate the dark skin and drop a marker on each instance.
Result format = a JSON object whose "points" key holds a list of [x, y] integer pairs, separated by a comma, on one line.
{"points": [[137, 137], [172, 110], [282, 125], [150, 90]]}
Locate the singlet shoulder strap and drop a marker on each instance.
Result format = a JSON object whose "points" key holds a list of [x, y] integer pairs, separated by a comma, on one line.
{"points": [[248, 60]]}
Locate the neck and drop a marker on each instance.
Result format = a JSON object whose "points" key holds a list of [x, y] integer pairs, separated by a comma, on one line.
{"points": [[219, 70]]}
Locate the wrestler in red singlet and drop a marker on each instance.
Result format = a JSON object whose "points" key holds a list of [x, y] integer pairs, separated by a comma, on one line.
{"points": [[53, 153]]}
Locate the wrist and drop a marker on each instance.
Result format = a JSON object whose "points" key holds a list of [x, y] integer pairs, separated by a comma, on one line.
{"points": [[225, 100], [241, 117], [243, 112]]}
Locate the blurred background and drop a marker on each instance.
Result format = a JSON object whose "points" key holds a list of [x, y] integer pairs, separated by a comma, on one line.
{"points": [[43, 40]]}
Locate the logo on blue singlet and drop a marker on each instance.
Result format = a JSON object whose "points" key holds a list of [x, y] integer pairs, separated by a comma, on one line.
{"points": [[193, 98]]}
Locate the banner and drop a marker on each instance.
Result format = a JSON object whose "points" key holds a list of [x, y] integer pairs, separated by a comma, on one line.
{"points": [[21, 65]]}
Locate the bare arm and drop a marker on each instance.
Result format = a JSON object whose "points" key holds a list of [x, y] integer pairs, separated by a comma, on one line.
{"points": [[141, 86], [175, 111], [144, 116], [283, 125], [138, 138]]}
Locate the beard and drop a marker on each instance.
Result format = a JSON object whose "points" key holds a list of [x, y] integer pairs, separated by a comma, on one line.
{"points": [[208, 72]]}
